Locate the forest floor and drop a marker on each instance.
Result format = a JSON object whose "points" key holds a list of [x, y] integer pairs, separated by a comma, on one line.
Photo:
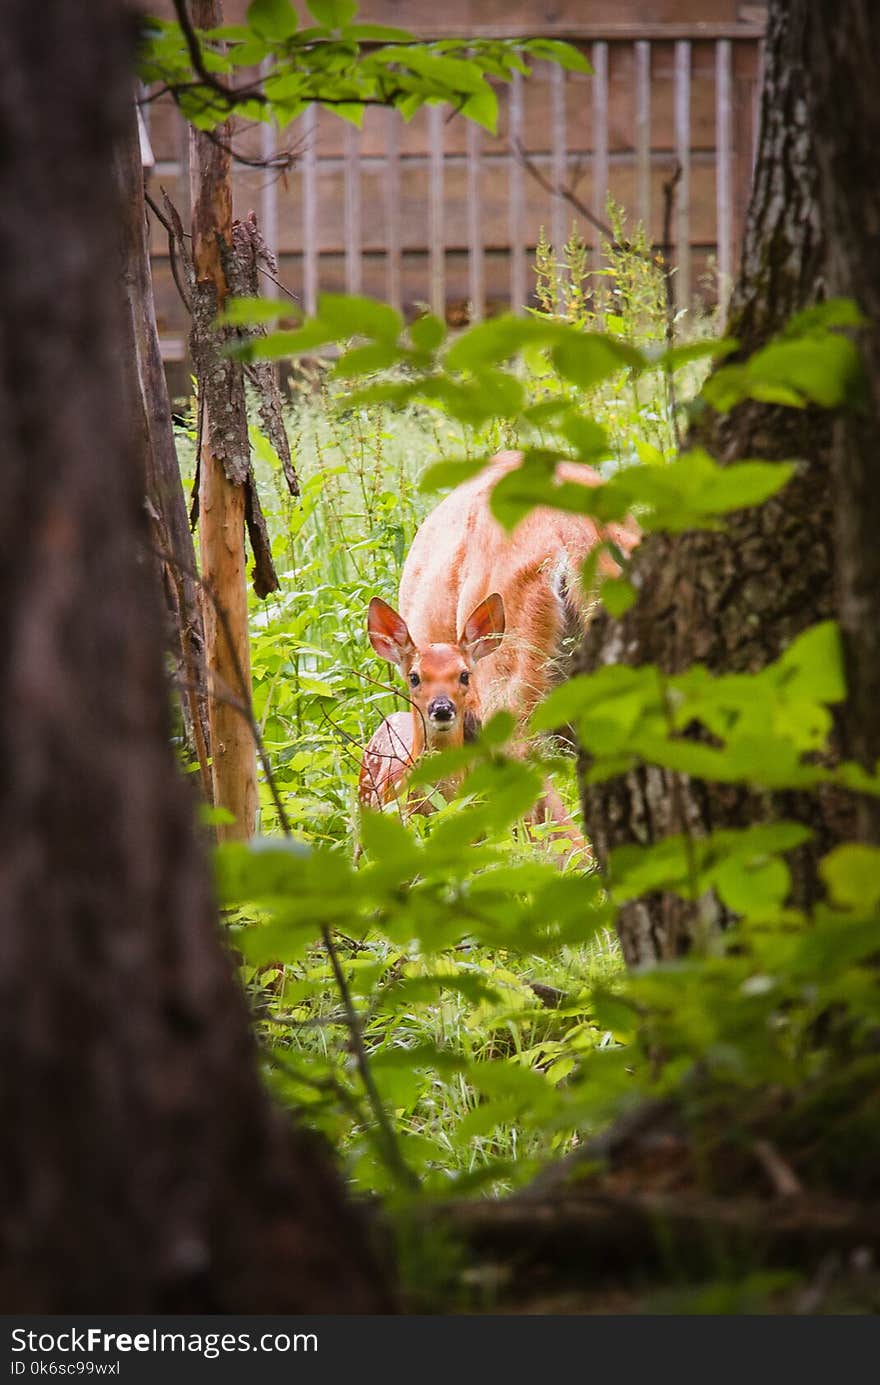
{"points": [[625, 1226]]}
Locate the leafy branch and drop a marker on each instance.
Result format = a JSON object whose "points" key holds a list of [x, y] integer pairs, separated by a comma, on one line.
{"points": [[339, 64]]}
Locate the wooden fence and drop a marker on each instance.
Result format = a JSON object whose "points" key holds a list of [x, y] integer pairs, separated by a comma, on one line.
{"points": [[438, 212]]}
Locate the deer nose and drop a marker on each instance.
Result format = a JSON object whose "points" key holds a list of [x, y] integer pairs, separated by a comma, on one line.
{"points": [[441, 709]]}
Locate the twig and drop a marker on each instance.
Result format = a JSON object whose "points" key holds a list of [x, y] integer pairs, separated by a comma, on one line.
{"points": [[669, 188], [278, 284], [172, 248], [690, 852], [569, 195], [783, 1178], [229, 94], [194, 493]]}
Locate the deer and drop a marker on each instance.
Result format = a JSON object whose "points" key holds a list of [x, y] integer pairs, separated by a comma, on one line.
{"points": [[445, 711], [483, 620]]}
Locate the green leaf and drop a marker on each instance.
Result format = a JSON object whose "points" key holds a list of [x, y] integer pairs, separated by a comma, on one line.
{"points": [[534, 483], [427, 332], [498, 729], [277, 345], [588, 438], [587, 693], [852, 876], [618, 595], [692, 491], [447, 475], [351, 315], [588, 358], [209, 816], [275, 19], [824, 370], [565, 55], [677, 356], [366, 360], [822, 317], [352, 111], [496, 341], [482, 108], [333, 14], [241, 312], [812, 666], [450, 76], [383, 835], [754, 889]]}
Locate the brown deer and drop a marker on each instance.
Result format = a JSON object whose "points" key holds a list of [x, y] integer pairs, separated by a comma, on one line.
{"points": [[483, 620]]}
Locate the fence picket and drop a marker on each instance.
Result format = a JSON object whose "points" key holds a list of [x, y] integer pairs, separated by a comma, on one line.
{"points": [[683, 157]]}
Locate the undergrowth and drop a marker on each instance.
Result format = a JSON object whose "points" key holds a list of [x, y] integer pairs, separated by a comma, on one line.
{"points": [[319, 692], [486, 1023]]}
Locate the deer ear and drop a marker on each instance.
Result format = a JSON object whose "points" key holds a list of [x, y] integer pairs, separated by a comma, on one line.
{"points": [[388, 633], [483, 628]]}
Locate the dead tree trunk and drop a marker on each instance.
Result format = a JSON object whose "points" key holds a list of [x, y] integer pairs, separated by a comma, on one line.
{"points": [[149, 410], [224, 465], [142, 1168], [735, 600]]}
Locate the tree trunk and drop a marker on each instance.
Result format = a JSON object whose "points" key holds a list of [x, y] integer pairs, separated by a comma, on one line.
{"points": [[224, 466], [142, 1168], [149, 409], [734, 600], [846, 118]]}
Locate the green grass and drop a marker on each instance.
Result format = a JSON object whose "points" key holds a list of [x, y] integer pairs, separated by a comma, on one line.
{"points": [[319, 693]]}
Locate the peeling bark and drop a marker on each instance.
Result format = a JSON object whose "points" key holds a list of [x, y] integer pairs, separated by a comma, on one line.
{"points": [[250, 250], [224, 473]]}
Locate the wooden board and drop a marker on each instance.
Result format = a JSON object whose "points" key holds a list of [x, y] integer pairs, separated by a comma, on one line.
{"points": [[428, 210]]}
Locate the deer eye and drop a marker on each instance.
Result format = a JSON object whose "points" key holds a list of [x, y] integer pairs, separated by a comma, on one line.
{"points": [[414, 680], [464, 678]]}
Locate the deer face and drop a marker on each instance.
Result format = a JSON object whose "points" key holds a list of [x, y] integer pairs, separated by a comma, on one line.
{"points": [[438, 676]]}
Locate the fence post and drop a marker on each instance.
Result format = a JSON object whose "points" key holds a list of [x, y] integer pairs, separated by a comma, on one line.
{"points": [[643, 135], [476, 283], [683, 155], [353, 267], [723, 168], [392, 211], [559, 232], [600, 141], [436, 219], [516, 195], [310, 210]]}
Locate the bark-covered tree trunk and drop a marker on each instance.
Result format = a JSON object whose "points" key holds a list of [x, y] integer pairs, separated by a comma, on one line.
{"points": [[224, 467], [141, 1166], [844, 40], [149, 412], [735, 600]]}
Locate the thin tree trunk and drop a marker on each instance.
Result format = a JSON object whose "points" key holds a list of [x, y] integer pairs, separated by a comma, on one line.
{"points": [[142, 1168], [224, 468], [149, 409], [735, 600]]}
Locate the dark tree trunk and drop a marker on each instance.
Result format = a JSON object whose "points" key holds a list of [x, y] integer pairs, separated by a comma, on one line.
{"points": [[735, 600], [142, 1167], [149, 413], [846, 117]]}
